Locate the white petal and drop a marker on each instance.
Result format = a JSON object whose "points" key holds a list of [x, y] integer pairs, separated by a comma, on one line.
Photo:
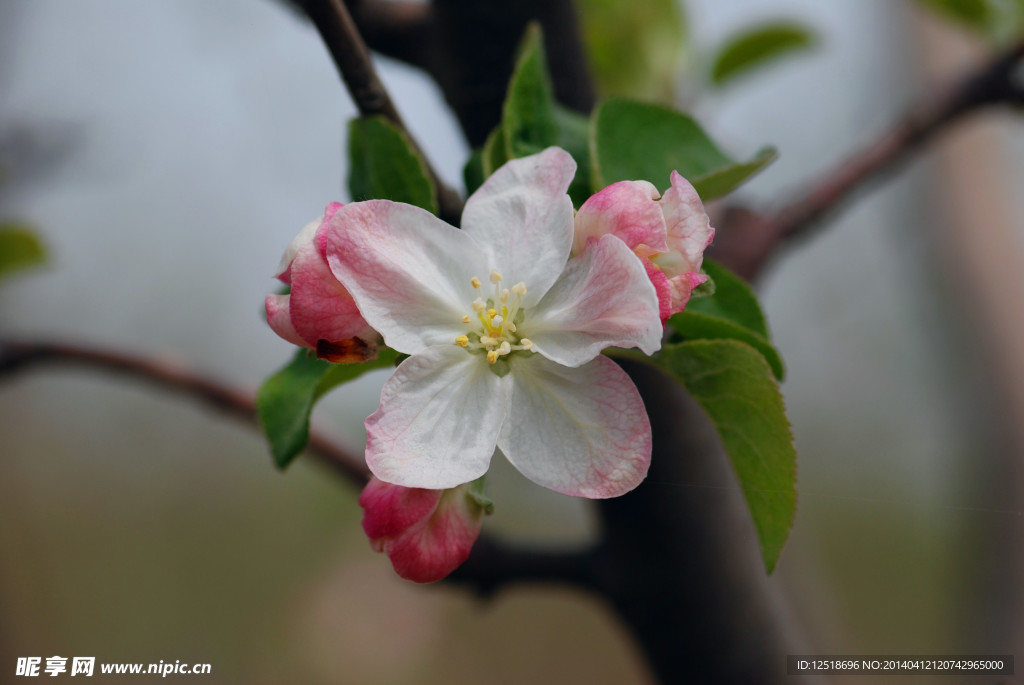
{"points": [[523, 218], [438, 420], [579, 431], [408, 272], [602, 299]]}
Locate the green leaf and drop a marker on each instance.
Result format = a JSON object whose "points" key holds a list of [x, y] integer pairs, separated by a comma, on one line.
{"points": [[733, 384], [528, 117], [495, 152], [384, 165], [691, 325], [20, 248], [285, 400], [634, 48], [473, 171], [733, 300], [639, 141], [756, 47], [721, 182], [574, 138], [973, 14]]}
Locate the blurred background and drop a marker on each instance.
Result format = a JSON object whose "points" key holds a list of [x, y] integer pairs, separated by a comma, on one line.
{"points": [[167, 152]]}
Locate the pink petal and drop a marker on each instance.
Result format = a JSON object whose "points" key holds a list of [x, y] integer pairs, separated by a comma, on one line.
{"points": [[438, 420], [280, 320], [689, 229], [391, 509], [627, 210], [681, 288], [523, 219], [662, 287], [602, 299], [408, 272], [579, 431], [304, 237], [427, 534], [321, 308]]}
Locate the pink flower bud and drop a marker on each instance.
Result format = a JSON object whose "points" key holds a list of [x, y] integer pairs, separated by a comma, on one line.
{"points": [[668, 235], [319, 313], [427, 534]]}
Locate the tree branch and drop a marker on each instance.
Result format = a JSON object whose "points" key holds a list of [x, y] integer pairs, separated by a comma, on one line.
{"points": [[21, 356], [352, 59], [747, 240], [492, 564]]}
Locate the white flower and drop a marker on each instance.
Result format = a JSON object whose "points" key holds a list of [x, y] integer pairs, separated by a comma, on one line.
{"points": [[505, 334]]}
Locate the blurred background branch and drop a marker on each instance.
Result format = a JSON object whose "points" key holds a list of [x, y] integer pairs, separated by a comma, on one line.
{"points": [[747, 240]]}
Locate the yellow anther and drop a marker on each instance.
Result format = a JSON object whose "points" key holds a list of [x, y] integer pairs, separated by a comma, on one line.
{"points": [[519, 289], [465, 319], [526, 343], [492, 356], [491, 313], [504, 295], [495, 276], [479, 305], [462, 340], [475, 282]]}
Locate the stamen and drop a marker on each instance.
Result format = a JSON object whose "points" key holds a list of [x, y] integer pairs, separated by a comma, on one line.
{"points": [[495, 276], [504, 295], [475, 282], [479, 305], [504, 348], [488, 340], [526, 343], [462, 340], [492, 356], [519, 289], [491, 313], [465, 319]]}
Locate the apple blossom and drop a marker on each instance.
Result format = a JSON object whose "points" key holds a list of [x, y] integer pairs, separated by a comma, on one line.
{"points": [[668, 235], [318, 313], [427, 534], [505, 334]]}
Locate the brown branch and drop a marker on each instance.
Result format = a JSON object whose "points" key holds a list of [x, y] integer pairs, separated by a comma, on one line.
{"points": [[495, 565], [492, 564], [21, 356], [352, 58], [396, 28], [747, 240]]}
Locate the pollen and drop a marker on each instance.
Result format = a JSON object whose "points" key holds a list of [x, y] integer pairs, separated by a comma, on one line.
{"points": [[493, 331]]}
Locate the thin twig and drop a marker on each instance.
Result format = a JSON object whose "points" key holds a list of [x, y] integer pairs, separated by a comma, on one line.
{"points": [[492, 564], [18, 356], [748, 239], [352, 59]]}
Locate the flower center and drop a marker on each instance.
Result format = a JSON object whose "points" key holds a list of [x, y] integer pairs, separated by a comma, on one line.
{"points": [[494, 320]]}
